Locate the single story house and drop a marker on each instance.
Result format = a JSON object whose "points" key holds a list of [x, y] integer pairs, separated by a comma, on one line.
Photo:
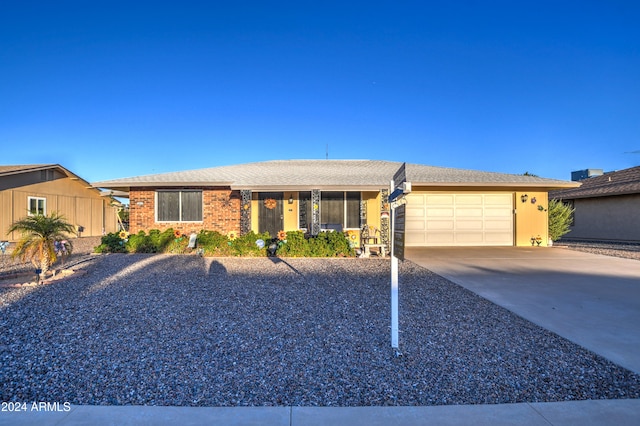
{"points": [[607, 207], [47, 188], [447, 207]]}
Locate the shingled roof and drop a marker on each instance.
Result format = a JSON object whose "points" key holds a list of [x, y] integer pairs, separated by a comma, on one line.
{"points": [[8, 170], [23, 168], [622, 182], [327, 174]]}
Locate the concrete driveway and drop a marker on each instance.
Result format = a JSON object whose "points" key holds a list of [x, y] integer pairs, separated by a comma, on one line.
{"points": [[592, 300]]}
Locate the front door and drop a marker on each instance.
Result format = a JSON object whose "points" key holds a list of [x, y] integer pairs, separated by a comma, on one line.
{"points": [[270, 213]]}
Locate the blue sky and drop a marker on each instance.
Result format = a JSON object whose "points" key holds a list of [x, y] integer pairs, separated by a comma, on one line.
{"points": [[117, 89]]}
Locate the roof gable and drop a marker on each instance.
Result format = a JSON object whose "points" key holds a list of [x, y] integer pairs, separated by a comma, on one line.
{"points": [[16, 169], [13, 172]]}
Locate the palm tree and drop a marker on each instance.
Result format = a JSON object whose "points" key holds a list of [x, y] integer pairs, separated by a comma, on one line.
{"points": [[43, 238]]}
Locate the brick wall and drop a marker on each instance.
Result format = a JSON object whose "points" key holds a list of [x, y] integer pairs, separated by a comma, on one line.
{"points": [[221, 211]]}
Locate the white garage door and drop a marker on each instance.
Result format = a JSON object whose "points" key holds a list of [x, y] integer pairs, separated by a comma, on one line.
{"points": [[459, 219]]}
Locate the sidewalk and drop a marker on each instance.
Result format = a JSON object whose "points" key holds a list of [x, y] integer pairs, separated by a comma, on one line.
{"points": [[604, 412]]}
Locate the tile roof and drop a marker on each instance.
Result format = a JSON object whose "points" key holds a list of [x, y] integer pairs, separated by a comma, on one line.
{"points": [[324, 174], [622, 182]]}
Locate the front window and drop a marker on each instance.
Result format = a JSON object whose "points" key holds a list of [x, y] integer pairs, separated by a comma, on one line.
{"points": [[337, 207], [179, 206], [37, 205]]}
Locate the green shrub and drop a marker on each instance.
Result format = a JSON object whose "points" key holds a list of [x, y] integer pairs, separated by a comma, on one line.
{"points": [[111, 243], [560, 219], [325, 244], [245, 245], [161, 240], [339, 243], [213, 243], [295, 245], [141, 243]]}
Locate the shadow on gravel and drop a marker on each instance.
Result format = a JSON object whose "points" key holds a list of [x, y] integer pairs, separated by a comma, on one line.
{"points": [[188, 331]]}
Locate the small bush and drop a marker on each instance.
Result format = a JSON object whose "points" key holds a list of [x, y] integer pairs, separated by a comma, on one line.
{"points": [[339, 243], [213, 243], [246, 245], [161, 240], [111, 243], [141, 243], [295, 245], [325, 244], [560, 219]]}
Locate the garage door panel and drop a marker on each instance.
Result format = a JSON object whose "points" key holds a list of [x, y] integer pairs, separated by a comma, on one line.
{"points": [[439, 200], [497, 225], [498, 212], [474, 200], [415, 238], [466, 225], [498, 199], [464, 219], [498, 238], [468, 212], [415, 225], [469, 238], [439, 225], [415, 212], [439, 238], [439, 212]]}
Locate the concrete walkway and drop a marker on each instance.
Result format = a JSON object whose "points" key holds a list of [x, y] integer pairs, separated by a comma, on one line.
{"points": [[589, 299], [583, 413]]}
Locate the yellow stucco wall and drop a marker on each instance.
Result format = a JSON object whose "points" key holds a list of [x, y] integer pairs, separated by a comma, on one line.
{"points": [[372, 200], [254, 212], [290, 211], [529, 220]]}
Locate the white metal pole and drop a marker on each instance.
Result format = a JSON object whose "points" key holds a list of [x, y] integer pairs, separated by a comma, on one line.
{"points": [[394, 281]]}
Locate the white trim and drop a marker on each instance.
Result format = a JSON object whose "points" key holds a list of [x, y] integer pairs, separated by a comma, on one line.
{"points": [[44, 205]]}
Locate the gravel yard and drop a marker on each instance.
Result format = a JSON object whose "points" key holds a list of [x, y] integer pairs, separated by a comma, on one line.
{"points": [[191, 331]]}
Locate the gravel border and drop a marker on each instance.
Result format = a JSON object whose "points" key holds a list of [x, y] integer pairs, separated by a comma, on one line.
{"points": [[615, 249], [191, 331]]}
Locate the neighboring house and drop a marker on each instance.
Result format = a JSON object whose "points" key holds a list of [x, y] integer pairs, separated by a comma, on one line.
{"points": [[607, 207], [448, 207], [31, 189]]}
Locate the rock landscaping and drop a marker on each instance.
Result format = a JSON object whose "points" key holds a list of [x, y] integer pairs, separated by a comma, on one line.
{"points": [[191, 331]]}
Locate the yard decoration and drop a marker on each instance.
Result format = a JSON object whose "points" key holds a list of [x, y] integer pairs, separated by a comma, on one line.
{"points": [[270, 203], [39, 236]]}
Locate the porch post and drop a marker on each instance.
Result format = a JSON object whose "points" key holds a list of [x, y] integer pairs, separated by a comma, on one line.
{"points": [[315, 212], [245, 211], [385, 219]]}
